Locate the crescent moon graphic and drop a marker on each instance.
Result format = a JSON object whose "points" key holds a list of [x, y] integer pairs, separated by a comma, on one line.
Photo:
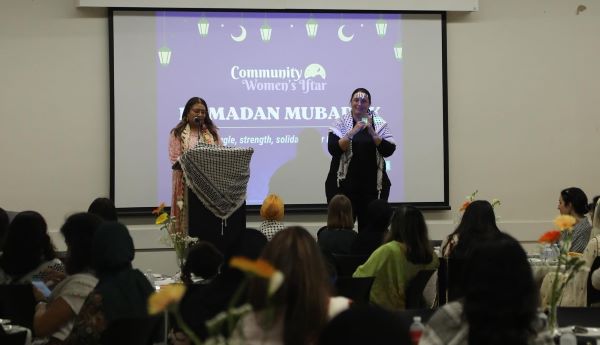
{"points": [[343, 37], [241, 37]]}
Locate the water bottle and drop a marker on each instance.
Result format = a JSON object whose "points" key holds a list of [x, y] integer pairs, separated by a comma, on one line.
{"points": [[555, 251], [416, 330], [568, 338]]}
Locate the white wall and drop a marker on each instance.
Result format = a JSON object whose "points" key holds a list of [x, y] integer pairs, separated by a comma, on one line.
{"points": [[523, 80]]}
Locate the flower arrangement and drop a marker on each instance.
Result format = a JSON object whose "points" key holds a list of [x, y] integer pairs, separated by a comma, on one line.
{"points": [[177, 240], [470, 198], [567, 266], [168, 298]]}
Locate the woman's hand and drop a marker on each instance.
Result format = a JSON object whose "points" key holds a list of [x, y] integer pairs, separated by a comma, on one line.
{"points": [[53, 277]]}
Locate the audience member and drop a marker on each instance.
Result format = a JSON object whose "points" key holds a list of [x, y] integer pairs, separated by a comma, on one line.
{"points": [[3, 227], [574, 202], [406, 252], [500, 303], [477, 223], [200, 304], [104, 208], [122, 292], [593, 207], [366, 324], [203, 262], [300, 308], [379, 215], [28, 250], [54, 319], [338, 236], [272, 211]]}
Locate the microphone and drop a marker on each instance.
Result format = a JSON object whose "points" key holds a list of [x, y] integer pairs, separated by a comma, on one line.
{"points": [[197, 120]]}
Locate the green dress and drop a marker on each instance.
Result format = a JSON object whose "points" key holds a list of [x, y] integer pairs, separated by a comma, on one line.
{"points": [[392, 271]]}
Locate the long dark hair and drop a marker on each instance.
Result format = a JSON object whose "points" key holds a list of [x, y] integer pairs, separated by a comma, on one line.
{"points": [[212, 128], [104, 208], [408, 226], [78, 231], [575, 197], [500, 294], [477, 223], [27, 245], [303, 298]]}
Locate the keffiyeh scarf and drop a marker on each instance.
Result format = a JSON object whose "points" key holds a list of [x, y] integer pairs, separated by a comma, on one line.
{"points": [[342, 126]]}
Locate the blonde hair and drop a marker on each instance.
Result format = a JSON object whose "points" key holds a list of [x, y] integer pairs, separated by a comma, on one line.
{"points": [[272, 208], [339, 213]]}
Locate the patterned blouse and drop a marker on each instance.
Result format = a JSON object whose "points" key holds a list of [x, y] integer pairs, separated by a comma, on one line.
{"points": [[270, 227]]}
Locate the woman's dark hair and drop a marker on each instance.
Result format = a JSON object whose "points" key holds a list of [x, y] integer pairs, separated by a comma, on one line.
{"points": [[380, 214], [78, 231], [203, 260], [339, 213], [408, 226], [27, 244], [104, 208], [477, 223], [3, 227], [303, 297], [207, 120], [363, 90], [576, 198], [500, 295]]}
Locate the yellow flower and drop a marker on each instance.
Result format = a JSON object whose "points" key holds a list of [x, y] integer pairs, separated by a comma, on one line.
{"points": [[259, 267], [564, 222], [163, 298], [162, 218]]}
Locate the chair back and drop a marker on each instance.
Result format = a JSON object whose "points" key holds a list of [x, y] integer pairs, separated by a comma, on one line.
{"points": [[593, 295], [17, 304], [450, 277], [357, 289], [346, 264], [580, 316], [132, 331], [414, 290]]}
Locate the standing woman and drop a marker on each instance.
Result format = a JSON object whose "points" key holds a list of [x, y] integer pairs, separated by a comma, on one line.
{"points": [[574, 202], [358, 142], [195, 127]]}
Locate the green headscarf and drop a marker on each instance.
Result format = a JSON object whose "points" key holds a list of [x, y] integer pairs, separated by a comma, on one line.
{"points": [[124, 290]]}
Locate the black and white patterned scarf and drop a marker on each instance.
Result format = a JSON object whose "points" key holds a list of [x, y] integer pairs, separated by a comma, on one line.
{"points": [[342, 126], [218, 175]]}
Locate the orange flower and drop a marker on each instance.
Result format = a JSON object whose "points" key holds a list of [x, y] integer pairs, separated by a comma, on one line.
{"points": [[464, 206], [163, 298], [259, 267], [159, 209], [565, 222], [551, 236]]}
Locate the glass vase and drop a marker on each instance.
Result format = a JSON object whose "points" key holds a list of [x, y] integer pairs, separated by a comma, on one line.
{"points": [[552, 326]]}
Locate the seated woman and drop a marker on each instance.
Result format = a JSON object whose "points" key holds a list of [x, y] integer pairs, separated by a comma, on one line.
{"points": [[271, 211], [477, 223], [104, 208], [122, 292], [406, 252], [54, 319], [338, 236], [500, 303], [300, 308], [28, 251], [202, 264], [573, 201], [379, 213]]}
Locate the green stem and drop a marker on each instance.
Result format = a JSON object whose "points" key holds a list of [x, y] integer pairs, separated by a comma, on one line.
{"points": [[232, 303], [185, 327]]}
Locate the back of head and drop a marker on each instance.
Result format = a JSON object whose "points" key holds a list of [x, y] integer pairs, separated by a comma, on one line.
{"points": [[203, 260], [380, 214], [113, 248], [576, 198], [500, 294], [3, 227], [304, 294], [78, 231], [339, 213], [408, 226], [477, 223], [104, 208], [27, 244], [365, 324], [272, 208]]}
